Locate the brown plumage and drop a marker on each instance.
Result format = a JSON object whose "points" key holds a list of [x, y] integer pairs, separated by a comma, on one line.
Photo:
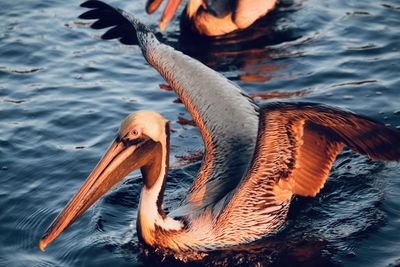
{"points": [[296, 146], [213, 18], [256, 158]]}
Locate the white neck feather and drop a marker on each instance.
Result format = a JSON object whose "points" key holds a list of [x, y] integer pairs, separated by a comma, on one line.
{"points": [[149, 215]]}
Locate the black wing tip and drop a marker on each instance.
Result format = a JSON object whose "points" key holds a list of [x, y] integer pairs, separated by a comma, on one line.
{"points": [[387, 147], [122, 26], [95, 8], [83, 16], [94, 4], [86, 4], [90, 14]]}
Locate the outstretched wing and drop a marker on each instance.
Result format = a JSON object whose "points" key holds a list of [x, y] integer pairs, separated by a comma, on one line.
{"points": [[296, 147], [226, 116]]}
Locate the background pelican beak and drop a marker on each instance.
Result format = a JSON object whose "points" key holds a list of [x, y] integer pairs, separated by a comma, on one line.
{"points": [[117, 162], [169, 12], [152, 6]]}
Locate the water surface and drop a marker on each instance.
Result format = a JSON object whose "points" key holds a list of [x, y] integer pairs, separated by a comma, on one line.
{"points": [[63, 93]]}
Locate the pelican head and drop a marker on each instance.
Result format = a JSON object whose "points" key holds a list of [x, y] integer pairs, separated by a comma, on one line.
{"points": [[141, 143]]}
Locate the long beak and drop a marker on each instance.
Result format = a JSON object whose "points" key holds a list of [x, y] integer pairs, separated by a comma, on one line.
{"points": [[169, 12], [116, 163], [152, 5]]}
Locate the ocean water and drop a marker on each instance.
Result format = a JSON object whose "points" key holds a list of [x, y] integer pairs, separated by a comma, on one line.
{"points": [[64, 92]]}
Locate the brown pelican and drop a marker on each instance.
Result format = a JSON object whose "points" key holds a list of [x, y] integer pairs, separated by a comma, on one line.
{"points": [[214, 17], [256, 158]]}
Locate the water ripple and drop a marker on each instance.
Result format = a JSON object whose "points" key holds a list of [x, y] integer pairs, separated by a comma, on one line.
{"points": [[63, 93]]}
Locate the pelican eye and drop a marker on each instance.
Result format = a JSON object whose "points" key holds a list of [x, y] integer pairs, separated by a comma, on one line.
{"points": [[135, 132]]}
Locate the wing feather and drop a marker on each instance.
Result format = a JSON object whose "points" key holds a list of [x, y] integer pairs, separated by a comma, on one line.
{"points": [[227, 118], [296, 146]]}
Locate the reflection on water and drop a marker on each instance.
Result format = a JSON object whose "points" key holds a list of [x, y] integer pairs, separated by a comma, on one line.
{"points": [[63, 93], [269, 252]]}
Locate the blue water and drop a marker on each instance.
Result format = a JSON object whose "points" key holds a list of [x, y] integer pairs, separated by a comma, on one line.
{"points": [[63, 93]]}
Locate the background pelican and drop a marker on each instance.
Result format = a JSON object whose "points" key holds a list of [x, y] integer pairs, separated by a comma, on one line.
{"points": [[212, 18], [255, 158]]}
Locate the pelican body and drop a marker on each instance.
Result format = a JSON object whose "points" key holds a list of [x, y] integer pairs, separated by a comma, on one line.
{"points": [[214, 17], [255, 160]]}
